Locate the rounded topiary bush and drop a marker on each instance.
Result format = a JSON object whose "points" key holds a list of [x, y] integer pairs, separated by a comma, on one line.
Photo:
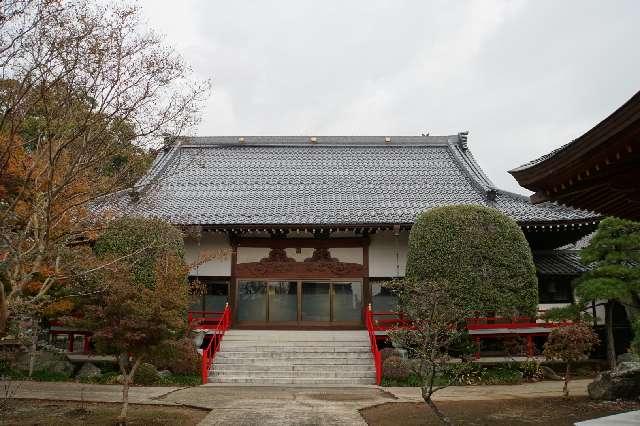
{"points": [[480, 254], [396, 368], [179, 357], [146, 239], [146, 374]]}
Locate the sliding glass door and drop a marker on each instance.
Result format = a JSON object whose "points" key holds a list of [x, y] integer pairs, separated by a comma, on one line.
{"points": [[301, 302], [268, 301]]}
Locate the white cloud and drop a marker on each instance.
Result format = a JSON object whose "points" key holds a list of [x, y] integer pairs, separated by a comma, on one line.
{"points": [[523, 76]]}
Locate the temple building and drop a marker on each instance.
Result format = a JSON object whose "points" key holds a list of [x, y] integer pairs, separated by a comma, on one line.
{"points": [[300, 232], [598, 171]]}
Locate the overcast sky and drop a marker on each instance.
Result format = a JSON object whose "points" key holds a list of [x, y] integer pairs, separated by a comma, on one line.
{"points": [[524, 77]]}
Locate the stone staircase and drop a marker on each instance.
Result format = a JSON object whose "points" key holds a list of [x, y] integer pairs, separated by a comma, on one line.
{"points": [[275, 357]]}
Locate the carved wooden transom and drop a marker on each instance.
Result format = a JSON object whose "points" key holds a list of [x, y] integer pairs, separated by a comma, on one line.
{"points": [[319, 265]]}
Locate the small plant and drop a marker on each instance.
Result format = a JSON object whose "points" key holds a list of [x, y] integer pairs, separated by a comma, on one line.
{"points": [[180, 357], [570, 344], [530, 370], [388, 353], [8, 390], [396, 368], [181, 380], [465, 373], [50, 376], [146, 374]]}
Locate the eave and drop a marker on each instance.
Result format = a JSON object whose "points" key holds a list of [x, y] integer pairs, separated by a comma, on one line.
{"points": [[599, 171]]}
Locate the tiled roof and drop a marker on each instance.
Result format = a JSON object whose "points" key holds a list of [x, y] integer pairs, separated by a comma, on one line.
{"points": [[342, 180], [558, 262]]}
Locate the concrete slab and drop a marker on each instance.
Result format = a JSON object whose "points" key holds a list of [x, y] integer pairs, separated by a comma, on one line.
{"points": [[68, 391], [281, 405], [483, 393], [632, 418]]}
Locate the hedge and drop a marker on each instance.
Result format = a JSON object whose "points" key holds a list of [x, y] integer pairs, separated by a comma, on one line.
{"points": [[480, 254], [147, 238]]}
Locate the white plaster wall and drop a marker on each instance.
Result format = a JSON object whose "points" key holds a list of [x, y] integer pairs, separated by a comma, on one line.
{"points": [[305, 253], [347, 254], [211, 244], [252, 254], [388, 254], [255, 254]]}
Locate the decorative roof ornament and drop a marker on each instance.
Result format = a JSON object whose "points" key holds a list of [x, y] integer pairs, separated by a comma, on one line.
{"points": [[462, 140]]}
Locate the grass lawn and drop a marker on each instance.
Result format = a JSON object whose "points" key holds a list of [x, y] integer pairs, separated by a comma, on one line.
{"points": [[32, 412], [547, 411]]}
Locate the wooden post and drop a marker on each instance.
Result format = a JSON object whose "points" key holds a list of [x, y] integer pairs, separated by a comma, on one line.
{"points": [[530, 345]]}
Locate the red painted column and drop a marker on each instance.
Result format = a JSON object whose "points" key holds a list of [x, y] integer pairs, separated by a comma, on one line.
{"points": [[70, 342]]}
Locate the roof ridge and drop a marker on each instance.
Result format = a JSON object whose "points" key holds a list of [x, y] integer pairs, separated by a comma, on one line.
{"points": [[323, 140]]}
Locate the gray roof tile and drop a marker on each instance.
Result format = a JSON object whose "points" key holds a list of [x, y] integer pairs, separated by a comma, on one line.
{"points": [[346, 180]]}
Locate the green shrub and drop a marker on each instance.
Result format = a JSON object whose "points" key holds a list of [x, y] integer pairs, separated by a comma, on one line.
{"points": [[502, 376], [396, 368], [530, 370], [463, 347], [147, 237], [146, 374], [481, 255], [388, 353], [181, 380], [412, 380], [50, 376], [180, 357], [465, 373]]}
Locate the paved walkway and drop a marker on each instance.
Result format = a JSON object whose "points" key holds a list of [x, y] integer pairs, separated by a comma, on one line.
{"points": [[271, 405]]}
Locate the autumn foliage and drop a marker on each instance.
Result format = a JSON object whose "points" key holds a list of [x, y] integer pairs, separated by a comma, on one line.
{"points": [[84, 92]]}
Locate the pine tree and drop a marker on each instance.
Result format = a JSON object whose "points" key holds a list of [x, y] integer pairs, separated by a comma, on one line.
{"points": [[614, 260]]}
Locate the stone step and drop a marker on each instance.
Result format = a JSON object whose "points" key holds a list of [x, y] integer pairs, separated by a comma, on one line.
{"points": [[298, 337], [222, 374], [261, 380], [292, 349], [287, 343], [282, 357], [220, 359], [293, 355], [294, 367]]}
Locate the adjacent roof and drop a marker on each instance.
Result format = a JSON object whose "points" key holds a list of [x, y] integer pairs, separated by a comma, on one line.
{"points": [[558, 262], [324, 180], [598, 171]]}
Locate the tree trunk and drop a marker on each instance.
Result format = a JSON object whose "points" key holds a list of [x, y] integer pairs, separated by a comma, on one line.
{"points": [[122, 420], [426, 395], [611, 345], [565, 388], [4, 312], [34, 344], [127, 380]]}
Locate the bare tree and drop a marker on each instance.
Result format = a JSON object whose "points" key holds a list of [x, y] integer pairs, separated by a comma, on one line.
{"points": [[437, 322], [82, 88]]}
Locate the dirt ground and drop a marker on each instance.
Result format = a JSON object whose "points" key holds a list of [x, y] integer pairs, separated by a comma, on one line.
{"points": [[30, 412], [547, 411]]}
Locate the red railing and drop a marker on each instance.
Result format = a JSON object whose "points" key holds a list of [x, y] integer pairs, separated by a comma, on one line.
{"points": [[519, 325], [377, 359], [209, 353], [205, 320], [386, 320]]}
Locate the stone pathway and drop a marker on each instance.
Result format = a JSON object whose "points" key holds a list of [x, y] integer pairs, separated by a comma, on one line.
{"points": [[271, 405]]}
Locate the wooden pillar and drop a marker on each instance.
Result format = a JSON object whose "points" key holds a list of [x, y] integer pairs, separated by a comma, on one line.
{"points": [[70, 342], [366, 288], [233, 286]]}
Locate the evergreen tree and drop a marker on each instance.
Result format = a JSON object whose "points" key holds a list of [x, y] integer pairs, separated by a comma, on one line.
{"points": [[614, 260]]}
